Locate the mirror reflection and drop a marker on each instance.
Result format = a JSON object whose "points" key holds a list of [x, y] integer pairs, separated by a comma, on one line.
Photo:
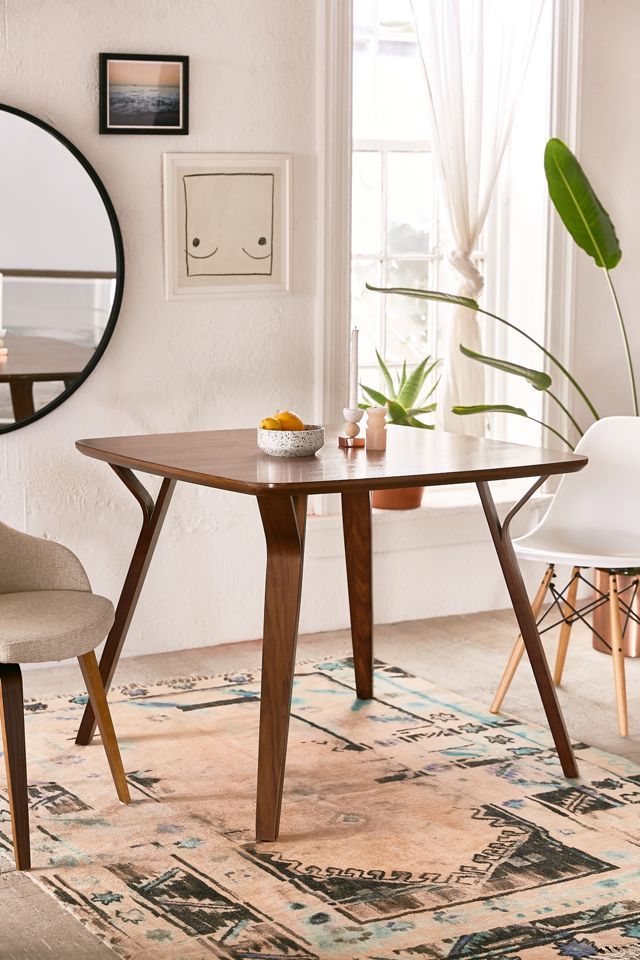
{"points": [[57, 268]]}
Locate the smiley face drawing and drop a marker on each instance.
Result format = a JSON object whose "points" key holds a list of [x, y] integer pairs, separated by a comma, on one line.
{"points": [[229, 222]]}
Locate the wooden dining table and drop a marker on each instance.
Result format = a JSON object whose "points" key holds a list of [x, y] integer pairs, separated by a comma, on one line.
{"points": [[231, 460]]}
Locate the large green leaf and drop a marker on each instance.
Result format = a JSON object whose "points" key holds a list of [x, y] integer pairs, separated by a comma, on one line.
{"points": [[537, 378], [429, 295], [580, 210], [489, 408]]}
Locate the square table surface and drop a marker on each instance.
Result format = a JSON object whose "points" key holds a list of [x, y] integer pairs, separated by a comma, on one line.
{"points": [[231, 460]]}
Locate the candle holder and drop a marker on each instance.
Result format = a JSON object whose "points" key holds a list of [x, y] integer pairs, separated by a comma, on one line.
{"points": [[350, 429]]}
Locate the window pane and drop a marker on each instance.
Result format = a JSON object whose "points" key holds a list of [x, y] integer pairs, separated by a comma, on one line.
{"points": [[366, 308], [364, 88], [400, 109], [366, 199], [408, 320], [410, 190], [396, 16]]}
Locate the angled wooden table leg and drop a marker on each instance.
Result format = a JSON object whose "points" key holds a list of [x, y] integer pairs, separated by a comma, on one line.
{"points": [[356, 525], [153, 515], [284, 521], [527, 622]]}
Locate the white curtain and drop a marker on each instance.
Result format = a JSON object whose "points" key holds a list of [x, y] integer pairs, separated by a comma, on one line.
{"points": [[475, 55]]}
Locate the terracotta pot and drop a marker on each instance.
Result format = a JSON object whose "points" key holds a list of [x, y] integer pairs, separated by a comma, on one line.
{"points": [[600, 617], [401, 498]]}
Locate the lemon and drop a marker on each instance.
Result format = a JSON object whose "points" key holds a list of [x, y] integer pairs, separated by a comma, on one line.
{"points": [[271, 423], [289, 420]]}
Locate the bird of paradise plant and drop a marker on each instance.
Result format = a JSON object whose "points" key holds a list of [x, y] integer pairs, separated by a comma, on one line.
{"points": [[591, 228]]}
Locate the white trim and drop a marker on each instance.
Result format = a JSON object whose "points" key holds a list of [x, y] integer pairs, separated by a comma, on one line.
{"points": [[334, 209], [333, 280], [560, 266]]}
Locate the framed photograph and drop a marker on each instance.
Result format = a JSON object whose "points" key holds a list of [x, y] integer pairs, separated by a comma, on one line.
{"points": [[141, 93], [227, 224]]}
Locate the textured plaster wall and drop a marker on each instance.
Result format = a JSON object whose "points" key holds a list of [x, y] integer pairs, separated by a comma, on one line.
{"points": [[609, 146], [217, 364], [170, 366]]}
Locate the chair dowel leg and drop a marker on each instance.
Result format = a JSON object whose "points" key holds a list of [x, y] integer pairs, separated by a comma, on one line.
{"points": [[518, 648], [98, 699], [565, 629], [12, 722], [618, 655]]}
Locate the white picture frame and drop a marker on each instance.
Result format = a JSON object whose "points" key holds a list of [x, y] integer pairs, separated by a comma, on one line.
{"points": [[227, 225]]}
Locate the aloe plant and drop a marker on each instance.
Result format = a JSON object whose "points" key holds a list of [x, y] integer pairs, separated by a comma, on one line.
{"points": [[404, 399]]}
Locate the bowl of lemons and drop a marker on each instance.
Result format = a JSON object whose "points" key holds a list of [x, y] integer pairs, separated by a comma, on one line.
{"points": [[286, 435]]}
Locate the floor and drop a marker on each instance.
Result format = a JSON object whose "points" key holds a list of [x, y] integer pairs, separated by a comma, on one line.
{"points": [[464, 654]]}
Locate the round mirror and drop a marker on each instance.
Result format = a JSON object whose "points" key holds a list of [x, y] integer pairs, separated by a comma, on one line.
{"points": [[61, 268]]}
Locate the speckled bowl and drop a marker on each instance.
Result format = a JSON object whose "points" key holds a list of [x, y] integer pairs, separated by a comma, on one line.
{"points": [[291, 443]]}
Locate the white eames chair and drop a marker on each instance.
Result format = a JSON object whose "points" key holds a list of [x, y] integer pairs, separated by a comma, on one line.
{"points": [[593, 522]]}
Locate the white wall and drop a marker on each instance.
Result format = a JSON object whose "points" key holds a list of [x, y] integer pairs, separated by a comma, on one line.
{"points": [[170, 366], [217, 364], [608, 149]]}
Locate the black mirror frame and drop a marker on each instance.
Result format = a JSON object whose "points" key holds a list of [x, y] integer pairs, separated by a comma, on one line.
{"points": [[119, 250]]}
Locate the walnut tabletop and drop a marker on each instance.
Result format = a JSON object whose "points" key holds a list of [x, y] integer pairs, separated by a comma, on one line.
{"points": [[231, 460], [43, 358]]}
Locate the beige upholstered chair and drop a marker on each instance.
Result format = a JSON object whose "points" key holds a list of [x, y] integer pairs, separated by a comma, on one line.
{"points": [[47, 612]]}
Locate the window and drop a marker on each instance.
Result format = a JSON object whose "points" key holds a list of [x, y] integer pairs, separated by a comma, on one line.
{"points": [[396, 225], [399, 226]]}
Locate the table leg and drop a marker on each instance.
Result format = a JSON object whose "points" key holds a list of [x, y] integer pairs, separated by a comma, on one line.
{"points": [[356, 525], [284, 521], [153, 515], [22, 398], [527, 623]]}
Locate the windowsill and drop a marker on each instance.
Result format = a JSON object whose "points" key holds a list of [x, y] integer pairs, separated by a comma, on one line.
{"points": [[449, 515]]}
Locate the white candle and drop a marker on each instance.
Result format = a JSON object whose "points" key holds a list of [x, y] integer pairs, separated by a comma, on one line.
{"points": [[353, 370], [1, 302]]}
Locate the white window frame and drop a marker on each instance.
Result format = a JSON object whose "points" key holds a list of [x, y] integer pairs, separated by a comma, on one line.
{"points": [[333, 110]]}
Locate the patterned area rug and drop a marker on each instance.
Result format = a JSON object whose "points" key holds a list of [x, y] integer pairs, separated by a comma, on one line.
{"points": [[413, 826]]}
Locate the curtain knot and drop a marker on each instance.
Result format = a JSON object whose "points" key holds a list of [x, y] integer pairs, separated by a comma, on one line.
{"points": [[473, 281]]}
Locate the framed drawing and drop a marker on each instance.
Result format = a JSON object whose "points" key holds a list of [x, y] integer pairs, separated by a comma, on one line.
{"points": [[144, 93], [226, 224]]}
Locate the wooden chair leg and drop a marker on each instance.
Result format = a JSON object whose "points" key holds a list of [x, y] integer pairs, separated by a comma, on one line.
{"points": [[518, 648], [12, 722], [617, 654], [98, 700], [565, 629]]}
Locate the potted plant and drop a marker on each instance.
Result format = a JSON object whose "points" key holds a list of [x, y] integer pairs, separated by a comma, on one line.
{"points": [[406, 399], [592, 229]]}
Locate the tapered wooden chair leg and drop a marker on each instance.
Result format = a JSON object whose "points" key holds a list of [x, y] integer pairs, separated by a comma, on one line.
{"points": [[617, 654], [518, 648], [565, 629], [12, 722], [98, 700]]}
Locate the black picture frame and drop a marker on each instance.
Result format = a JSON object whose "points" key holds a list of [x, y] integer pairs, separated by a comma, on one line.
{"points": [[163, 128], [119, 255]]}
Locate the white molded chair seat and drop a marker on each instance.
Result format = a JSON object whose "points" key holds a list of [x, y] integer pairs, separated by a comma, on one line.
{"points": [[43, 625], [594, 518], [581, 548], [47, 612], [593, 521]]}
